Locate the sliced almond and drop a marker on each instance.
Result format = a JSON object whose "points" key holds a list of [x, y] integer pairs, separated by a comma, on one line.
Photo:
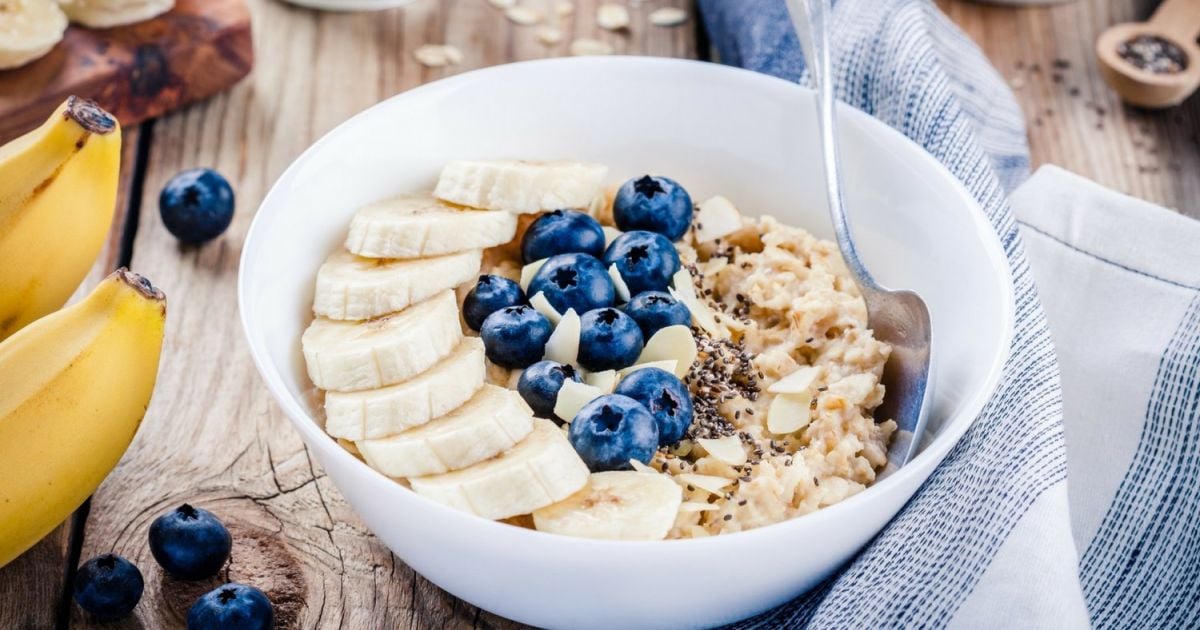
{"points": [[503, 4], [799, 382], [668, 16], [698, 532], [640, 467], [572, 397], [610, 235], [587, 46], [682, 449], [563, 8], [543, 306], [715, 218], [727, 449], [619, 283], [523, 15], [436, 56], [666, 366], [673, 343], [563, 345], [685, 292], [789, 413], [612, 17], [709, 483], [529, 271], [549, 35], [697, 506], [605, 380]]}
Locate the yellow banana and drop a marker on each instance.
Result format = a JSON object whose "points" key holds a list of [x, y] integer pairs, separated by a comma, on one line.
{"points": [[74, 386], [58, 189]]}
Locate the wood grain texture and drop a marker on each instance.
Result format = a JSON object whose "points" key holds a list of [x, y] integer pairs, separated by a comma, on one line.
{"points": [[138, 71], [213, 436], [1075, 120]]}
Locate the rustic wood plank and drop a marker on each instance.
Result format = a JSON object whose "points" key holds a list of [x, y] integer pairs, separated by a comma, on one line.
{"points": [[1075, 120], [137, 71], [212, 435], [31, 586]]}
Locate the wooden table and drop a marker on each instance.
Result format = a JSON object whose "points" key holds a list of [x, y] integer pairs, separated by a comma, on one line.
{"points": [[214, 437]]}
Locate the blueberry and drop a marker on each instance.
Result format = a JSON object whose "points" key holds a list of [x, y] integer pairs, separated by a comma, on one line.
{"points": [[562, 232], [490, 294], [190, 543], [577, 281], [655, 310], [108, 586], [515, 336], [608, 340], [232, 607], [665, 397], [540, 382], [645, 260], [611, 430], [196, 205], [657, 204]]}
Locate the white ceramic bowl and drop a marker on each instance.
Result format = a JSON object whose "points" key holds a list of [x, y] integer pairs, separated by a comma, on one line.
{"points": [[716, 130]]}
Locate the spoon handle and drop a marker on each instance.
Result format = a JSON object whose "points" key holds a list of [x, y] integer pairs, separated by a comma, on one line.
{"points": [[1180, 19], [811, 19]]}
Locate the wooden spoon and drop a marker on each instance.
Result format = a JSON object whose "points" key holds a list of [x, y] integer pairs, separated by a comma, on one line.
{"points": [[1176, 22]]}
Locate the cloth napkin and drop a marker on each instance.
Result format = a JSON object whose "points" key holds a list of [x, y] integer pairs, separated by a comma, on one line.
{"points": [[1039, 518]]}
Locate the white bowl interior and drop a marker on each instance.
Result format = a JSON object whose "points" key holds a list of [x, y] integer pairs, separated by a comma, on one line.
{"points": [[717, 131]]}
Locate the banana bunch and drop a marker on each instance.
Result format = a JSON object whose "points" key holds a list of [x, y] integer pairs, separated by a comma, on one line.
{"points": [[74, 386], [58, 190]]}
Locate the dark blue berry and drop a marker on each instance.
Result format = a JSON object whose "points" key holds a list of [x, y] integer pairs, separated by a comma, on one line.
{"points": [[656, 204], [108, 587], [232, 607], [196, 205], [190, 543], [665, 397], [562, 232], [608, 340], [655, 310], [577, 281], [540, 382], [645, 260], [515, 336], [611, 430], [490, 294]]}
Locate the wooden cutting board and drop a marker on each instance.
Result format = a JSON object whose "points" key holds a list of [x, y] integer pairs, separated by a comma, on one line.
{"points": [[138, 71]]}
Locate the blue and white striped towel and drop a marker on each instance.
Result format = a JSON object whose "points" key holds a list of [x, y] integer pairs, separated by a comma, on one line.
{"points": [[995, 539]]}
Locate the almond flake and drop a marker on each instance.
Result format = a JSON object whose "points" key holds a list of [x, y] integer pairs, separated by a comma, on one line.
{"points": [[715, 218], [619, 283], [682, 448], [668, 16], [666, 366], [612, 17], [605, 380], [673, 343], [610, 235], [529, 271], [550, 35], [563, 8], [727, 449], [523, 16], [572, 397], [798, 382], [436, 56], [699, 532], [563, 345], [789, 413], [697, 506], [685, 292], [708, 483], [587, 46], [503, 4], [543, 306], [642, 468]]}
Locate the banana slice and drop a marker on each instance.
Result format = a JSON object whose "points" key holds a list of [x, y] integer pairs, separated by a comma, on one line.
{"points": [[110, 13], [377, 413], [520, 187], [415, 226], [352, 356], [28, 30], [352, 287], [617, 505], [541, 470], [489, 424]]}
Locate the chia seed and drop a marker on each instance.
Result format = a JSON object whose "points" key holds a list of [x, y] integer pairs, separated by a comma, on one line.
{"points": [[1153, 54]]}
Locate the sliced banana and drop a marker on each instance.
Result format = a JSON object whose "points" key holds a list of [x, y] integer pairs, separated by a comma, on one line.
{"points": [[617, 505], [28, 30], [541, 470], [416, 226], [520, 187], [377, 413], [492, 422], [110, 13], [353, 287], [353, 356]]}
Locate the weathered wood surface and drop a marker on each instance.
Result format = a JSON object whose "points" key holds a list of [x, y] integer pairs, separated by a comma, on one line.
{"points": [[137, 71], [213, 436]]}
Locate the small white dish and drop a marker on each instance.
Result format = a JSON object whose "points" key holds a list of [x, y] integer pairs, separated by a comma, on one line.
{"points": [[717, 130], [349, 5]]}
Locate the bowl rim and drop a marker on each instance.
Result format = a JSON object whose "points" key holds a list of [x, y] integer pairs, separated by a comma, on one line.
{"points": [[923, 464]]}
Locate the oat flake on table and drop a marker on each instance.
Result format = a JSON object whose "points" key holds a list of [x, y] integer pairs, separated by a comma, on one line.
{"points": [[550, 35], [523, 16], [612, 17], [436, 55], [503, 4], [588, 46], [564, 8], [668, 16]]}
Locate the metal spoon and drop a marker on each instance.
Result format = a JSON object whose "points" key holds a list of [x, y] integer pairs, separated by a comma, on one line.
{"points": [[899, 318]]}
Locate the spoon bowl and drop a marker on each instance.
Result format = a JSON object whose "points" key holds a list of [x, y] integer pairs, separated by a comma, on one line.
{"points": [[1176, 22]]}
